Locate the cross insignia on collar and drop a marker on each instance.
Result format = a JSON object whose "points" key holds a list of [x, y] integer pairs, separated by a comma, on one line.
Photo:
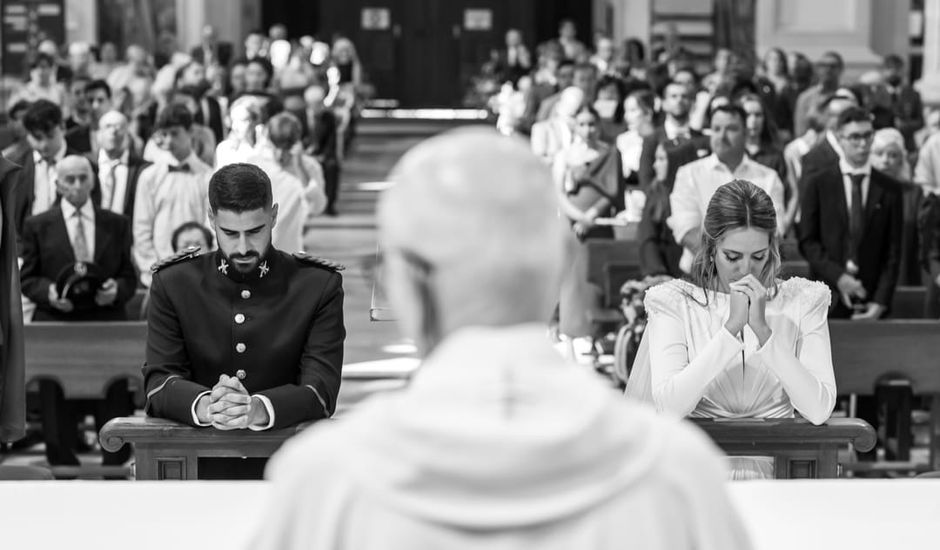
{"points": [[263, 268], [223, 267]]}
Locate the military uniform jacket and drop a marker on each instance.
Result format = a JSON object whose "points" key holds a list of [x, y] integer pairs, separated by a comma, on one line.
{"points": [[282, 324]]}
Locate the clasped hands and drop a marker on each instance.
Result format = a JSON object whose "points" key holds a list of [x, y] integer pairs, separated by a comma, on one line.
{"points": [[748, 304], [105, 296], [850, 287], [230, 407]]}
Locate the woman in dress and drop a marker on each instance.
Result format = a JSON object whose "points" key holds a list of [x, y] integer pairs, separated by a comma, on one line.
{"points": [[588, 186], [734, 341]]}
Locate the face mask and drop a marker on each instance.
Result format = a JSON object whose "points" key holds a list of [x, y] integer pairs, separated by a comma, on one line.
{"points": [[606, 107]]}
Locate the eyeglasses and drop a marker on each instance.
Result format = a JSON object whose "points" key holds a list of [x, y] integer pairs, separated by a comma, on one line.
{"points": [[858, 138]]}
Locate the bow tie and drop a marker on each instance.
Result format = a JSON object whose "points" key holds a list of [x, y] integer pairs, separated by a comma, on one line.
{"points": [[179, 168]]}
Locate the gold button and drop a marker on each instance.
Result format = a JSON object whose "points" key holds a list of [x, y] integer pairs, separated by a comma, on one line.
{"points": [[239, 319], [246, 294], [240, 347]]}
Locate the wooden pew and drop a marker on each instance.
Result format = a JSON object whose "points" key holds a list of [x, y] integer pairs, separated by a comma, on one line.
{"points": [[167, 450], [908, 302], [864, 353], [85, 358], [800, 450], [611, 263]]}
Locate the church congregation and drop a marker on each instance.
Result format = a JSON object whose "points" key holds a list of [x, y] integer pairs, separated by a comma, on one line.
{"points": [[636, 284]]}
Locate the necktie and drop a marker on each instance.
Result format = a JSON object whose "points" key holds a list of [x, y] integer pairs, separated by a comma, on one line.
{"points": [[179, 168], [80, 245], [857, 214], [112, 184]]}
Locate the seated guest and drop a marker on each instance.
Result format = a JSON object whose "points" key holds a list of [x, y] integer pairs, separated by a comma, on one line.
{"points": [[77, 267], [734, 341], [589, 186], [497, 441], [169, 192], [270, 359], [697, 181], [193, 235], [119, 168], [83, 138], [850, 225]]}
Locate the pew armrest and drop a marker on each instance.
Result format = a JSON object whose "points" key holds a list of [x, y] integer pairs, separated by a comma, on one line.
{"points": [[774, 432]]}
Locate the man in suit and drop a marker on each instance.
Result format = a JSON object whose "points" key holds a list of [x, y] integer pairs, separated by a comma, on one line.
{"points": [[827, 152], [79, 236], [118, 166], [906, 104], [850, 229], [83, 138], [513, 60], [210, 50], [674, 132], [191, 80], [46, 135]]}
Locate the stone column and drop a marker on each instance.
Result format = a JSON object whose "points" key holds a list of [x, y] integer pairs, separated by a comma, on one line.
{"points": [[631, 19], [929, 84], [81, 21]]}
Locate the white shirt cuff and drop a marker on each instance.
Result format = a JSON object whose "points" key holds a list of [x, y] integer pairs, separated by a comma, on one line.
{"points": [[193, 410], [268, 407]]}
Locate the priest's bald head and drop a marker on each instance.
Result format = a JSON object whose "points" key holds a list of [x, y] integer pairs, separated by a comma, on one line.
{"points": [[470, 236]]}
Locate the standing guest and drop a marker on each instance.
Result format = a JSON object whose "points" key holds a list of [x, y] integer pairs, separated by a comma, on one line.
{"points": [[589, 185], [42, 83], [777, 73], [513, 60], [193, 235], [46, 136], [608, 102], [269, 360], [697, 181], [763, 145], [829, 73], [119, 168], [573, 48], [827, 152], [889, 157], [191, 78], [83, 138], [638, 111], [322, 142], [17, 148], [170, 192], [276, 153], [77, 267], [794, 151], [905, 101], [696, 358], [850, 225], [584, 77], [674, 131], [77, 108], [604, 54], [507, 459], [245, 116], [210, 51], [550, 137], [12, 353]]}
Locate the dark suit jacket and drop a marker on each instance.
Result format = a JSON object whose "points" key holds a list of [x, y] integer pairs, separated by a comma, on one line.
{"points": [[699, 141], [135, 165], [909, 114], [321, 140], [221, 50], [47, 250], [215, 117], [820, 158], [26, 191], [79, 139], [824, 234]]}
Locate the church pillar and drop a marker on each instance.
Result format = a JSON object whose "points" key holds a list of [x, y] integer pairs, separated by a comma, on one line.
{"points": [[929, 85]]}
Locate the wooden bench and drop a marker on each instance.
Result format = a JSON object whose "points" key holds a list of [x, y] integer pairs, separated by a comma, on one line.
{"points": [[800, 450], [865, 354], [86, 358], [610, 264], [908, 302]]}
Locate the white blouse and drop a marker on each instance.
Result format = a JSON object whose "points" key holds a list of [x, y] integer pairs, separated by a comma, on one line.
{"points": [[699, 369]]}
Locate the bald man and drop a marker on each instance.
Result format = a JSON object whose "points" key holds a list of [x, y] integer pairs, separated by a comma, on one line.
{"points": [[498, 442], [119, 167], [72, 239]]}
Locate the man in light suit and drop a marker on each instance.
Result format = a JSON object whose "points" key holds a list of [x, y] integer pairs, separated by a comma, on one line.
{"points": [[77, 235]]}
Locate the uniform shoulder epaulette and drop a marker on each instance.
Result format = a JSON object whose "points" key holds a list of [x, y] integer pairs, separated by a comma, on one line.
{"points": [[329, 265], [180, 256]]}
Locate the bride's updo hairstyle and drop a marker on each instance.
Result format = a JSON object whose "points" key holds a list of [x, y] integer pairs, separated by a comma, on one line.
{"points": [[735, 205]]}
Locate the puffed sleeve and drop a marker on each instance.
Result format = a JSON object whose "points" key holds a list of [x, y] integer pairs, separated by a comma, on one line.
{"points": [[806, 373], [679, 381]]}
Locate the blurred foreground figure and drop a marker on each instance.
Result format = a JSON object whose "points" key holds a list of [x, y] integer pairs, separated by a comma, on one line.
{"points": [[497, 442]]}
